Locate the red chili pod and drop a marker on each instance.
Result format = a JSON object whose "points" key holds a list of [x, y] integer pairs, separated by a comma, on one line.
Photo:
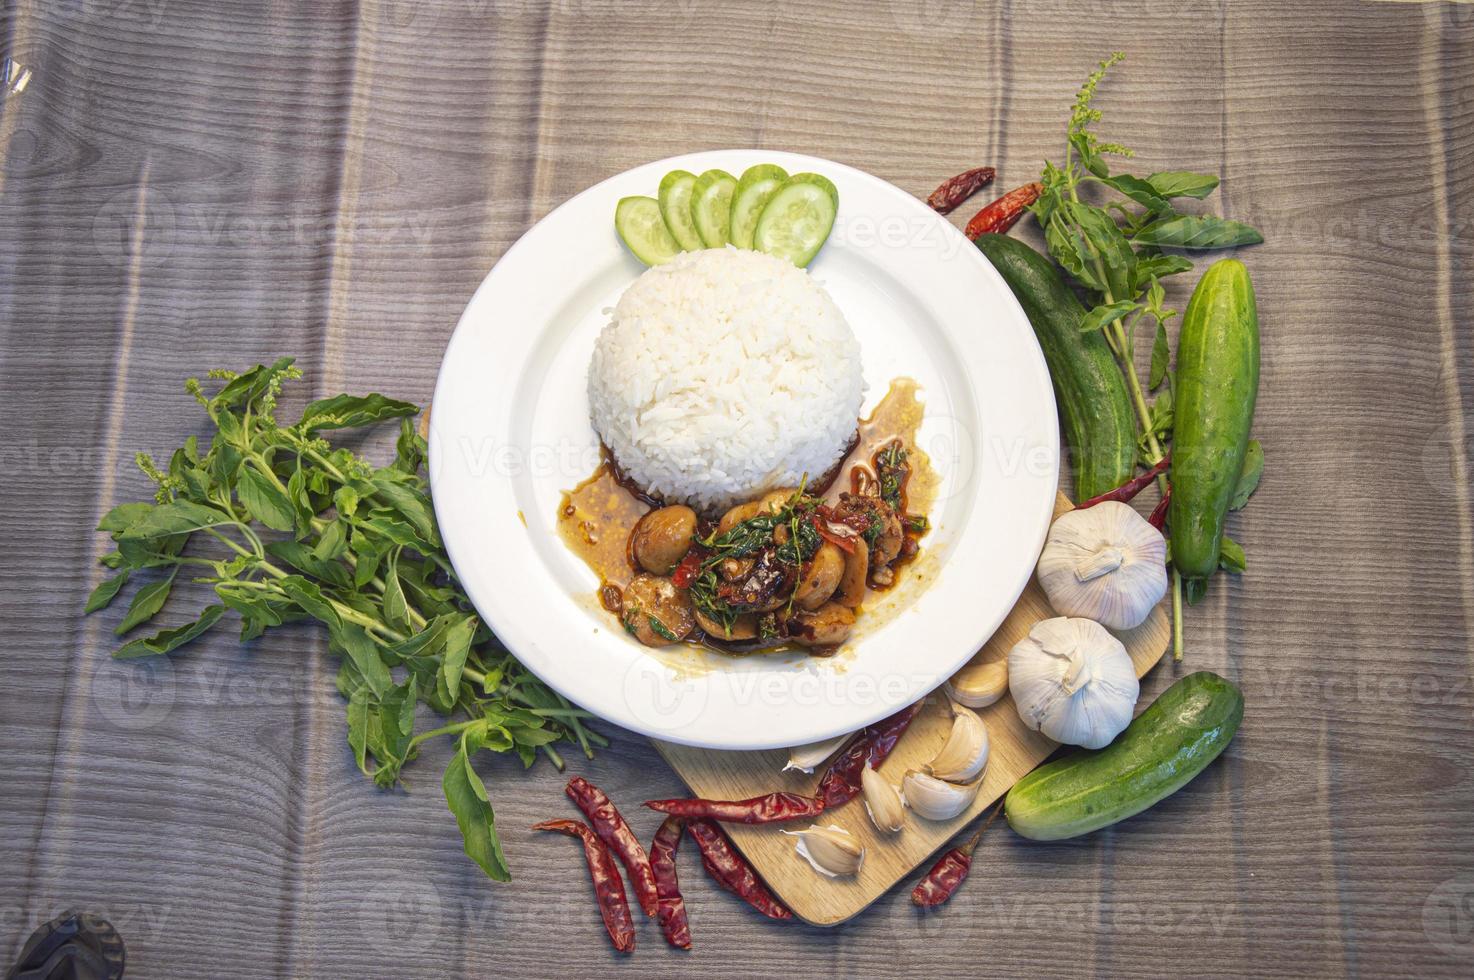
{"points": [[948, 874], [1128, 490], [730, 870], [672, 911], [608, 886], [954, 190], [1003, 214], [772, 808], [1159, 513], [841, 782], [612, 829]]}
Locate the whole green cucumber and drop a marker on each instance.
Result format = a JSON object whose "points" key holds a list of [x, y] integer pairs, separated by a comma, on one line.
{"points": [[1089, 387], [1213, 409], [1159, 752]]}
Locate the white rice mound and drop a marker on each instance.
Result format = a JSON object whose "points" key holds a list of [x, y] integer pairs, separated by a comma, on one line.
{"points": [[722, 374]]}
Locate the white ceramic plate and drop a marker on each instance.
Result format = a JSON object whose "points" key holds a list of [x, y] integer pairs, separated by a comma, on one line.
{"points": [[510, 432]]}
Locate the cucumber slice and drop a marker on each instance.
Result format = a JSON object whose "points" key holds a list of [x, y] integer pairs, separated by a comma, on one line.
{"points": [[675, 208], [797, 219], [643, 230], [756, 185], [711, 207]]}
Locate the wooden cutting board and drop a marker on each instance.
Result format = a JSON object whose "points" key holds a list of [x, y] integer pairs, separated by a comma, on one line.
{"points": [[1014, 750]]}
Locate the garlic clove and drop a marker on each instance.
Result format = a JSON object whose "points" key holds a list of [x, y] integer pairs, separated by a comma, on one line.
{"points": [[965, 753], [979, 685], [1104, 563], [937, 799], [806, 758], [884, 805], [832, 851]]}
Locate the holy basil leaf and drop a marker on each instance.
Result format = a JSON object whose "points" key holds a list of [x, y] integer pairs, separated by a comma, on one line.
{"points": [[352, 411], [124, 516], [1194, 231], [457, 648], [1149, 267], [1160, 357], [411, 504], [265, 500], [251, 385], [106, 591], [395, 608], [466, 796], [1249, 476], [1231, 556], [1182, 183], [359, 711], [175, 517], [1102, 315], [1069, 250], [1138, 190], [147, 602], [169, 640], [364, 652], [306, 594], [1108, 243]]}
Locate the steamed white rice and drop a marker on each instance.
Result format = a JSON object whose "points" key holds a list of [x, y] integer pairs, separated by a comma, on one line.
{"points": [[722, 374]]}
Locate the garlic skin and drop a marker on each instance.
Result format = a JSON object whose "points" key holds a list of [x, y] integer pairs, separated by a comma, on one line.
{"points": [[937, 799], [884, 805], [1104, 563], [1073, 681], [806, 758], [832, 851], [978, 685], [964, 755]]}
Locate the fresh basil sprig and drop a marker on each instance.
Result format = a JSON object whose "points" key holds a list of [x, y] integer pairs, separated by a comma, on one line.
{"points": [[283, 526]]}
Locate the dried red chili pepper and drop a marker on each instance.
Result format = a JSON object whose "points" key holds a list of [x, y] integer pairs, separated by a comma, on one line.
{"points": [[608, 886], [841, 782], [610, 825], [772, 808], [1159, 513], [1128, 490], [954, 190], [1002, 214], [730, 870], [672, 910], [948, 874]]}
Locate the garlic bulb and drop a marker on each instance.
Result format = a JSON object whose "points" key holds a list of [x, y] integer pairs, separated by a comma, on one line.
{"points": [[937, 799], [805, 758], [832, 851], [978, 685], [1073, 681], [1104, 563], [965, 753], [882, 802]]}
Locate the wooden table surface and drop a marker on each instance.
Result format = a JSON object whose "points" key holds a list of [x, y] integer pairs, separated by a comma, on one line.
{"points": [[185, 188]]}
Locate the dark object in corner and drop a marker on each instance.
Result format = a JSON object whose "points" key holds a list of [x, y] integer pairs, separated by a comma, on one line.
{"points": [[72, 946]]}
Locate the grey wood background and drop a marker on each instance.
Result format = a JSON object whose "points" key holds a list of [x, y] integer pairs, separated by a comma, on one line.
{"points": [[188, 184]]}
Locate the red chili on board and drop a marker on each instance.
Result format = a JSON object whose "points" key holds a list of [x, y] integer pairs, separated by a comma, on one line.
{"points": [[841, 782], [730, 870], [954, 190], [610, 825], [672, 911], [608, 886], [1002, 214], [687, 570], [1159, 513], [772, 808], [1128, 490], [948, 874]]}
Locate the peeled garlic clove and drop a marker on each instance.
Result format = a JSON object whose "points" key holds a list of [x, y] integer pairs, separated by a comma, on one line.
{"points": [[805, 758], [979, 685], [1104, 563], [937, 799], [832, 851], [882, 802], [964, 755]]}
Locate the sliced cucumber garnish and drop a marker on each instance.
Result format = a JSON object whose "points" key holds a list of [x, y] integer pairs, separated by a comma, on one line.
{"points": [[756, 185], [638, 221], [711, 207], [675, 208], [797, 219]]}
